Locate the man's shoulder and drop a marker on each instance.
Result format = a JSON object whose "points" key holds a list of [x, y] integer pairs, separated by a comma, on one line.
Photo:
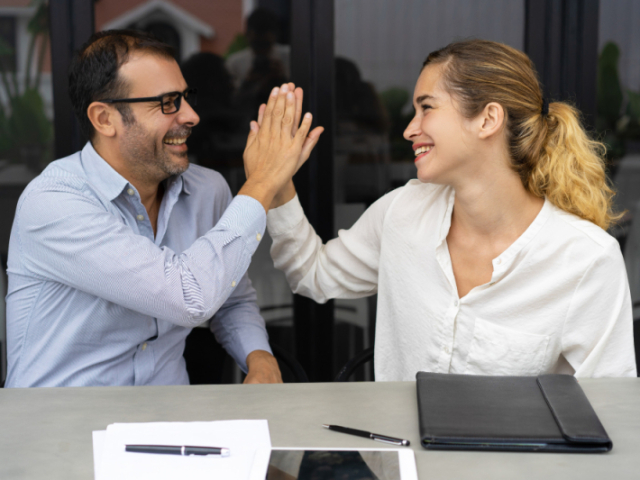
{"points": [[65, 174]]}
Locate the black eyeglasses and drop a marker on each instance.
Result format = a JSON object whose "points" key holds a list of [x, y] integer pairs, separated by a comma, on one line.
{"points": [[169, 102]]}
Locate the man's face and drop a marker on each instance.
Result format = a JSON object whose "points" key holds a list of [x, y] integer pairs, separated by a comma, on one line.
{"points": [[154, 145]]}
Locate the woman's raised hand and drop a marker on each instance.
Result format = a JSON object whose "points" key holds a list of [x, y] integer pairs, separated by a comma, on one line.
{"points": [[278, 144]]}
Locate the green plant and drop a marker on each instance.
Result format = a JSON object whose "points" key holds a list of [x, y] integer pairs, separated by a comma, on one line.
{"points": [[25, 131], [618, 118]]}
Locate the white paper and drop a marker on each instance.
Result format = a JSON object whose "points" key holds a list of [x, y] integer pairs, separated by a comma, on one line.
{"points": [[98, 443], [243, 438]]}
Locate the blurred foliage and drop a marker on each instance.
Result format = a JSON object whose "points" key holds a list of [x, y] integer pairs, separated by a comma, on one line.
{"points": [[395, 100], [26, 133], [238, 43], [618, 112]]}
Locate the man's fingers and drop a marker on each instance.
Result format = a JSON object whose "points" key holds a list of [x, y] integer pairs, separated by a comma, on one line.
{"points": [[266, 116], [261, 113], [296, 121], [278, 111], [289, 114]]}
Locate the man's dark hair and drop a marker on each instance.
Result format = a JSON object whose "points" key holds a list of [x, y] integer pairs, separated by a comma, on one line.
{"points": [[94, 72]]}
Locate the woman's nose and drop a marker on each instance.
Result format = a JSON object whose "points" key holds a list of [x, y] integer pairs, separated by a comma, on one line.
{"points": [[412, 129]]}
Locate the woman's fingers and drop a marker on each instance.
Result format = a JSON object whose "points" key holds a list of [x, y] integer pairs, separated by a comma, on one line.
{"points": [[309, 143], [301, 134], [253, 133]]}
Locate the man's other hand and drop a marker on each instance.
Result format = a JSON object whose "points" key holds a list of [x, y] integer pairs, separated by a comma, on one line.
{"points": [[263, 368]]}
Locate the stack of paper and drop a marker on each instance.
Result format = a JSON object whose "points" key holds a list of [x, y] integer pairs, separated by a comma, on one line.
{"points": [[244, 438]]}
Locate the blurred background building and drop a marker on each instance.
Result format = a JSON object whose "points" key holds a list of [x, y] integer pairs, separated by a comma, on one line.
{"points": [[358, 61]]}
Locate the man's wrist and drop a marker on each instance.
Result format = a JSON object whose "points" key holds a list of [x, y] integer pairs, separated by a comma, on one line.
{"points": [[263, 192]]}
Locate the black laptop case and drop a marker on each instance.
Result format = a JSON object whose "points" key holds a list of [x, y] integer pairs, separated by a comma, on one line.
{"points": [[549, 413]]}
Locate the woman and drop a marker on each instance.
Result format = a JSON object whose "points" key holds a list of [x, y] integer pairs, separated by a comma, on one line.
{"points": [[495, 260]]}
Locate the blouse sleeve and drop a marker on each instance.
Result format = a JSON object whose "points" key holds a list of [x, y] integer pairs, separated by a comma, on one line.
{"points": [[597, 337], [346, 267]]}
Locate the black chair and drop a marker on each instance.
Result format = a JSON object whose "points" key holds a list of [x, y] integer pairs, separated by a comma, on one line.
{"points": [[352, 365], [208, 363]]}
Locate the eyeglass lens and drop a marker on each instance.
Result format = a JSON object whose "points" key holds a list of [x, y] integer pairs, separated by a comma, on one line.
{"points": [[171, 101]]}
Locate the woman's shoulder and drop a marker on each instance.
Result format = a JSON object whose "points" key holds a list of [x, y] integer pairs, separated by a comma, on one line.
{"points": [[582, 235]]}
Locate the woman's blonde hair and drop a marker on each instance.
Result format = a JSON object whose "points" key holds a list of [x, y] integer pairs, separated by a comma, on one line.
{"points": [[549, 148]]}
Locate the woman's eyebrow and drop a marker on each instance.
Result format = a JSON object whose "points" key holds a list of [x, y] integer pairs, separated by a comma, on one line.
{"points": [[422, 98]]}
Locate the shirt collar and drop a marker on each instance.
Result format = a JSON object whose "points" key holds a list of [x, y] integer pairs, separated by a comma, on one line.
{"points": [[110, 182]]}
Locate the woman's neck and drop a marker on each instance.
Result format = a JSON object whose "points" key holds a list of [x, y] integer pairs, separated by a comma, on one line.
{"points": [[494, 205]]}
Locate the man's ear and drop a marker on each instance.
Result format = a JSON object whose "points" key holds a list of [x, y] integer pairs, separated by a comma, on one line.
{"points": [[103, 118], [491, 120]]}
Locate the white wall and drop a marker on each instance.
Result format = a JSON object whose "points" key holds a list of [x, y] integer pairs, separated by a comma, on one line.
{"points": [[389, 39]]}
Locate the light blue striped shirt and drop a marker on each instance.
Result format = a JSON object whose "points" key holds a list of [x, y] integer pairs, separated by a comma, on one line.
{"points": [[95, 299]]}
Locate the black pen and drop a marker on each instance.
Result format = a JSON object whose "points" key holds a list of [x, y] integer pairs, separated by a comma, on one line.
{"points": [[178, 450], [372, 436]]}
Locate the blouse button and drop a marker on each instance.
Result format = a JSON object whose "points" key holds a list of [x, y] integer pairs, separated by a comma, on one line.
{"points": [[140, 217]]}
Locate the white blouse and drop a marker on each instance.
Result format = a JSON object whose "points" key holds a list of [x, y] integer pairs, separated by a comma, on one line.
{"points": [[558, 300]]}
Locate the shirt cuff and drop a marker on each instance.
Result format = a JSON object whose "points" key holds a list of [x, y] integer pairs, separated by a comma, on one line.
{"points": [[246, 217], [285, 218]]}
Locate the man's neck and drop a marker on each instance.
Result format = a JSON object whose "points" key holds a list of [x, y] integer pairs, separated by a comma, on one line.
{"points": [[150, 190]]}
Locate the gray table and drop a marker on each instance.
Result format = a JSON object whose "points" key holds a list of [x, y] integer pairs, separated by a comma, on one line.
{"points": [[46, 433]]}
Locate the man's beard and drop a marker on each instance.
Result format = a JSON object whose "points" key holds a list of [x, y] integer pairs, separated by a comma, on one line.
{"points": [[145, 157]]}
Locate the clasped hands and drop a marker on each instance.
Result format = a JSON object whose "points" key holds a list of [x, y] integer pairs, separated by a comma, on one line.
{"points": [[277, 146]]}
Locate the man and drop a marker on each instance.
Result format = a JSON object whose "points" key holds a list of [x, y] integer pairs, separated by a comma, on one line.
{"points": [[117, 251]]}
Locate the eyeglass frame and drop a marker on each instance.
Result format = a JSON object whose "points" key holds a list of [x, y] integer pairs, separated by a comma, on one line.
{"points": [[180, 95]]}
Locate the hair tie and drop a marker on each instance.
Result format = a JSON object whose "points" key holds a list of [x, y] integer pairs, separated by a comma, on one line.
{"points": [[545, 107]]}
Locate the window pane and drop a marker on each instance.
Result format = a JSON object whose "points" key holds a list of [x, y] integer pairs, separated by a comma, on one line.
{"points": [[26, 114]]}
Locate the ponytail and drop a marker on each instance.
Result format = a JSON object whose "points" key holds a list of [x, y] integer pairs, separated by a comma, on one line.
{"points": [[570, 169], [550, 150]]}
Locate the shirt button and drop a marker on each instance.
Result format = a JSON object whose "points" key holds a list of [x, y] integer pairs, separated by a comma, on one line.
{"points": [[144, 346], [233, 284], [455, 302], [130, 191], [499, 261], [140, 217], [446, 350], [258, 237]]}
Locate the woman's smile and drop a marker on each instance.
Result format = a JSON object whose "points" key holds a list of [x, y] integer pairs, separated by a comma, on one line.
{"points": [[421, 150]]}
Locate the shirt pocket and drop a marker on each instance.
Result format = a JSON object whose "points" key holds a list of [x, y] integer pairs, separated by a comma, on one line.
{"points": [[496, 350]]}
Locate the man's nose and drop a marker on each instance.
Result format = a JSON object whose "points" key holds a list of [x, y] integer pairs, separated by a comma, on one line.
{"points": [[187, 115]]}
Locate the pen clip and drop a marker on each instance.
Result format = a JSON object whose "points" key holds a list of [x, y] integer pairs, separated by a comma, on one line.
{"points": [[390, 440]]}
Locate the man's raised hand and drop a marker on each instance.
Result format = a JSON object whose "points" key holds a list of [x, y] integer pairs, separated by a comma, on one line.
{"points": [[278, 144]]}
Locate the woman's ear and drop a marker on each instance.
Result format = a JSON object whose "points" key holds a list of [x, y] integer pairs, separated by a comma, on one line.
{"points": [[491, 120], [102, 118]]}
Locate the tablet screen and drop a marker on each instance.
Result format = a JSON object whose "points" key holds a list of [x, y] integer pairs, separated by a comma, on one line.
{"points": [[333, 464]]}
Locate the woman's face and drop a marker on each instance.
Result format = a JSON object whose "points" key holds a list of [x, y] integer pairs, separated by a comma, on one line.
{"points": [[442, 138]]}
